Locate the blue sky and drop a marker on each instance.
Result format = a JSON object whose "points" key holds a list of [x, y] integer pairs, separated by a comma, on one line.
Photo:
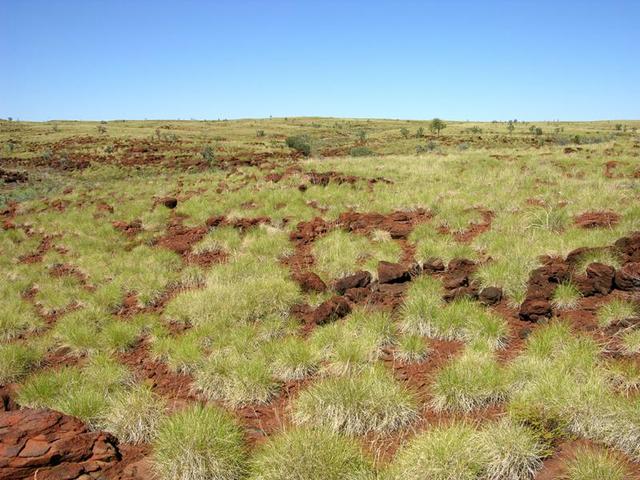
{"points": [[459, 60]]}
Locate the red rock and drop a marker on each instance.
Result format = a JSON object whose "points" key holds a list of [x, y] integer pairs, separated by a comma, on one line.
{"points": [[331, 310], [310, 282], [357, 294], [359, 279], [597, 281], [170, 202], [45, 444], [490, 295], [533, 309], [389, 272], [629, 247], [603, 219], [628, 277], [433, 265]]}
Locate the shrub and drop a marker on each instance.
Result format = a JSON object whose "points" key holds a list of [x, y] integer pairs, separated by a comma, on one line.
{"points": [[420, 132], [260, 133], [430, 146], [369, 401], [631, 342], [404, 132], [299, 143], [310, 454], [361, 152], [199, 443], [208, 155], [437, 126]]}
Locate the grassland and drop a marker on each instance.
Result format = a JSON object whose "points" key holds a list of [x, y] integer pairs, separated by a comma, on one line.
{"points": [[378, 302]]}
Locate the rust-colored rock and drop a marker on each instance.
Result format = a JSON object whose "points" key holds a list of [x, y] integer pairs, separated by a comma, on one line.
{"points": [[603, 219], [433, 265], [597, 281], [310, 282], [629, 247], [359, 279], [389, 272], [490, 295], [628, 277], [331, 310], [170, 202], [533, 309], [45, 444]]}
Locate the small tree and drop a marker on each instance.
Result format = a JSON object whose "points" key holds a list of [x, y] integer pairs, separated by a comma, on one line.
{"points": [[510, 126], [420, 132], [362, 136], [437, 125], [404, 132], [208, 155], [102, 129], [260, 133]]}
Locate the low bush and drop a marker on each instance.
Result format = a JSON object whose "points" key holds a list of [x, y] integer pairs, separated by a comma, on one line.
{"points": [[299, 143], [361, 152]]}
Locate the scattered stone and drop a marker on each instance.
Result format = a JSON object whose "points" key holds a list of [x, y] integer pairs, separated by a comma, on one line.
{"points": [[597, 281], [628, 277], [433, 265], [533, 309], [604, 219], [490, 295], [389, 272], [45, 444], [170, 202], [310, 282], [359, 279], [331, 310], [629, 247]]}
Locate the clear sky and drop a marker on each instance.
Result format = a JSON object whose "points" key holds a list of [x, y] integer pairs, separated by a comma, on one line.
{"points": [[459, 60]]}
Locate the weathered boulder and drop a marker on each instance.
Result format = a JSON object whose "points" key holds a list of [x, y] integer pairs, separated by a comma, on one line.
{"points": [[310, 282], [597, 281], [331, 310], [46, 444], [490, 295], [535, 309], [628, 277], [389, 272], [170, 202], [359, 279]]}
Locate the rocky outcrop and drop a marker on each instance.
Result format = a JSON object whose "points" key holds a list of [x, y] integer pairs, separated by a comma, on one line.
{"points": [[49, 445]]}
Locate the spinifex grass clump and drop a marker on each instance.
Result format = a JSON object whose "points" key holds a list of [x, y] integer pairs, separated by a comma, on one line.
{"points": [[353, 344], [16, 360], [82, 392], [560, 381], [616, 311], [134, 415], [199, 443], [341, 253], [592, 464], [424, 313], [357, 404], [473, 380], [501, 450], [292, 358], [310, 454], [411, 348], [440, 453], [565, 296], [236, 378]]}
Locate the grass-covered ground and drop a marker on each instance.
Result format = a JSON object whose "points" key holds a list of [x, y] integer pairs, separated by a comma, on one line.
{"points": [[190, 332]]}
